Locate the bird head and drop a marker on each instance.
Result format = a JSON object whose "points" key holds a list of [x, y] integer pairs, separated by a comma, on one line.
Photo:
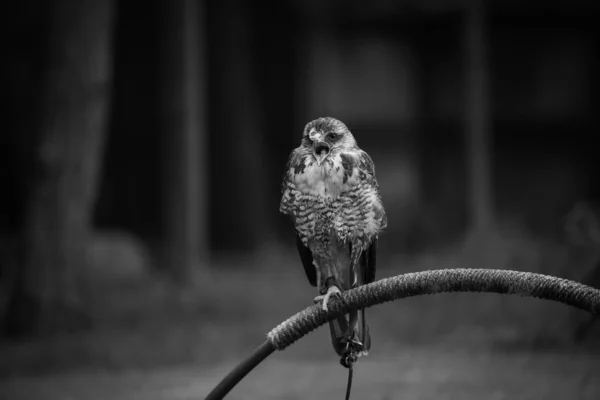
{"points": [[326, 136]]}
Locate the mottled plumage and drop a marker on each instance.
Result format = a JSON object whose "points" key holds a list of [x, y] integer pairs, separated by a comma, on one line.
{"points": [[332, 196]]}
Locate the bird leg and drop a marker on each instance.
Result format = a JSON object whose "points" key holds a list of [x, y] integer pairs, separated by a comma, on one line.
{"points": [[332, 290]]}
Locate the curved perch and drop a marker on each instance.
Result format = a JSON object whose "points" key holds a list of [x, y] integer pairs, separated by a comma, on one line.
{"points": [[414, 284]]}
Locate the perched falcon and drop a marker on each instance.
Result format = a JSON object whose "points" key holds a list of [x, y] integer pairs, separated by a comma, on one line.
{"points": [[331, 194]]}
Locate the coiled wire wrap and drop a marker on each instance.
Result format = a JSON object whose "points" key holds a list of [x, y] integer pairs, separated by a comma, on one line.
{"points": [[414, 284]]}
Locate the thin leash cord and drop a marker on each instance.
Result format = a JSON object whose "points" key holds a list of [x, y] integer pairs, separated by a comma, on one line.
{"points": [[349, 386], [348, 361]]}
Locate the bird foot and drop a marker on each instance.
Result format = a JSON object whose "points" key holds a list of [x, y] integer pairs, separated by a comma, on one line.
{"points": [[331, 291]]}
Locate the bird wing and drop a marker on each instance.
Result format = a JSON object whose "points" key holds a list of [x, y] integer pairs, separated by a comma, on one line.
{"points": [[295, 164], [307, 261], [288, 204], [368, 259], [367, 171], [366, 165], [368, 263]]}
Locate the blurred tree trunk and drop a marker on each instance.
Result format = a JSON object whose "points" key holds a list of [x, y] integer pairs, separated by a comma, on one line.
{"points": [[243, 215], [239, 157], [185, 134], [67, 162], [478, 119]]}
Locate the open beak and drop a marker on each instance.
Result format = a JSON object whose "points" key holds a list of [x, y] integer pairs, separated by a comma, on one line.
{"points": [[321, 150]]}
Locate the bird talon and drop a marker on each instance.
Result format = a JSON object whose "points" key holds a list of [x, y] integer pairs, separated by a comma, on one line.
{"points": [[331, 291]]}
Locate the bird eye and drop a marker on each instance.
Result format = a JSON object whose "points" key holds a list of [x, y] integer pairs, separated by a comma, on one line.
{"points": [[331, 136]]}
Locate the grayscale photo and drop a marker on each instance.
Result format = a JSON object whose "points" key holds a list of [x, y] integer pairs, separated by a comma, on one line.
{"points": [[288, 200]]}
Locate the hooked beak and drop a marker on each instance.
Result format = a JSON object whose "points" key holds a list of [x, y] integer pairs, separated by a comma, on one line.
{"points": [[321, 150]]}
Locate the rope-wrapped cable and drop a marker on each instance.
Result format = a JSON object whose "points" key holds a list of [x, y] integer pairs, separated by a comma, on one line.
{"points": [[414, 284]]}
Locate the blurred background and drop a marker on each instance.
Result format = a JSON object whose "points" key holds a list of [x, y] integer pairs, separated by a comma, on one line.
{"points": [[142, 153]]}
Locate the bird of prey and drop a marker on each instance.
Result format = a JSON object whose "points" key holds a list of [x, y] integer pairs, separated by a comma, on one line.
{"points": [[331, 194]]}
